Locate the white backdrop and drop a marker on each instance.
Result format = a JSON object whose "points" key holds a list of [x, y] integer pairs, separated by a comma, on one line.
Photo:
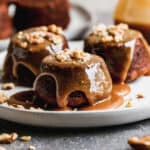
{"points": [[98, 5]]}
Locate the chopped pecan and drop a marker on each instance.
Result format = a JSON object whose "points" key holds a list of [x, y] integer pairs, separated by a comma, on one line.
{"points": [[3, 98], [139, 96], [8, 138], [140, 143], [31, 147], [8, 86], [77, 54], [25, 138], [53, 28], [129, 104]]}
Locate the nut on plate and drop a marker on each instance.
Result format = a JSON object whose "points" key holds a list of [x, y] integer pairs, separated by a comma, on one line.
{"points": [[31, 147], [25, 138], [8, 138], [129, 104], [3, 98], [139, 96], [140, 143], [8, 86]]}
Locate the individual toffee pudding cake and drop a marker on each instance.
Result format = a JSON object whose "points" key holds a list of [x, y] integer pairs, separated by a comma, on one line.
{"points": [[44, 12], [5, 21], [27, 50], [125, 51], [72, 79]]}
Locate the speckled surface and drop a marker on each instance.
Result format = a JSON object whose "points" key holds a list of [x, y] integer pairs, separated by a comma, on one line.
{"points": [[110, 138]]}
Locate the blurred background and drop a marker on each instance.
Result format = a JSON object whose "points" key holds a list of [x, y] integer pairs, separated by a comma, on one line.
{"points": [[98, 5], [100, 9], [83, 15], [76, 17]]}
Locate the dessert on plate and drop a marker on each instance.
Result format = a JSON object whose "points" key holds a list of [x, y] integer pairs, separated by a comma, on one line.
{"points": [[63, 79], [124, 50], [73, 78], [27, 50]]}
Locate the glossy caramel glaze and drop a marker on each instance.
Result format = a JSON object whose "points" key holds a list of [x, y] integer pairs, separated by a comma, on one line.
{"points": [[76, 71], [116, 99], [114, 102], [26, 52], [30, 99], [121, 89]]}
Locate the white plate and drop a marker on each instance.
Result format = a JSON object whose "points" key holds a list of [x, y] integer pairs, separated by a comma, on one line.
{"points": [[139, 111]]}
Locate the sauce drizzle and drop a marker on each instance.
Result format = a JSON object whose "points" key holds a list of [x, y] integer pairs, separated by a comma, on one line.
{"points": [[29, 99]]}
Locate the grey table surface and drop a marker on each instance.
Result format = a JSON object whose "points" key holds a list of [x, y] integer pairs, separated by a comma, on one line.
{"points": [[110, 138]]}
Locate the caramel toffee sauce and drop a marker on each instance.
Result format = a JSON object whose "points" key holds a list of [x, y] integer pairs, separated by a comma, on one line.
{"points": [[29, 99]]}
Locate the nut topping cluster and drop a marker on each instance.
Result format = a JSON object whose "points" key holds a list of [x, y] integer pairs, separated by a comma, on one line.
{"points": [[40, 35], [53, 28], [70, 55], [110, 33]]}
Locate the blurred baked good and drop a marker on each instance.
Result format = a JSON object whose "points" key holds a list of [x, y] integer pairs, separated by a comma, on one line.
{"points": [[5, 22], [42, 12]]}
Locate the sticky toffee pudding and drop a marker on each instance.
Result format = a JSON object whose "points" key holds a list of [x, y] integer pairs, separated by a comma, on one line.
{"points": [[124, 50], [64, 79], [72, 80], [27, 50]]}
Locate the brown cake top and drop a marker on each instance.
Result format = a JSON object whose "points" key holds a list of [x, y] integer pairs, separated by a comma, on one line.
{"points": [[112, 34], [38, 38], [68, 57]]}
